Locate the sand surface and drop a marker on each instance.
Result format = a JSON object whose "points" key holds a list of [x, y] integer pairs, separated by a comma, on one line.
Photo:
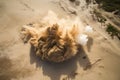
{"points": [[18, 62]]}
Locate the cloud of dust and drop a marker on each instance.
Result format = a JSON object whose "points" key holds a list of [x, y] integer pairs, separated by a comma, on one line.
{"points": [[56, 39], [67, 24]]}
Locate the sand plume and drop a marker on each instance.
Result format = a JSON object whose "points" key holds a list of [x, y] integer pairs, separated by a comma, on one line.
{"points": [[57, 40]]}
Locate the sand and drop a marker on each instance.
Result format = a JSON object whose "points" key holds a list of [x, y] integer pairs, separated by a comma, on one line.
{"points": [[18, 62]]}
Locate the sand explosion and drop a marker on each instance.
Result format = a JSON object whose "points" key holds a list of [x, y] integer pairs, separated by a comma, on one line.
{"points": [[55, 39]]}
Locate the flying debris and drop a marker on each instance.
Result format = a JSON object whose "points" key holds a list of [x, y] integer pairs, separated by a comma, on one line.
{"points": [[56, 39]]}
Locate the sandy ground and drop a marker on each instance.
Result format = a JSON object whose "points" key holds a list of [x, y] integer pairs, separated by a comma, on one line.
{"points": [[17, 61]]}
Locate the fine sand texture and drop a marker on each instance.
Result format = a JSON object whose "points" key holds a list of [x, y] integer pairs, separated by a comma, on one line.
{"points": [[98, 60]]}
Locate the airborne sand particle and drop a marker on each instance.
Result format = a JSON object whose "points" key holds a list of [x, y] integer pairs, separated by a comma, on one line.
{"points": [[58, 39]]}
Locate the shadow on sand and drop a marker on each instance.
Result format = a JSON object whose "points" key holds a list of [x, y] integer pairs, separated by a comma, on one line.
{"points": [[55, 70], [89, 43]]}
